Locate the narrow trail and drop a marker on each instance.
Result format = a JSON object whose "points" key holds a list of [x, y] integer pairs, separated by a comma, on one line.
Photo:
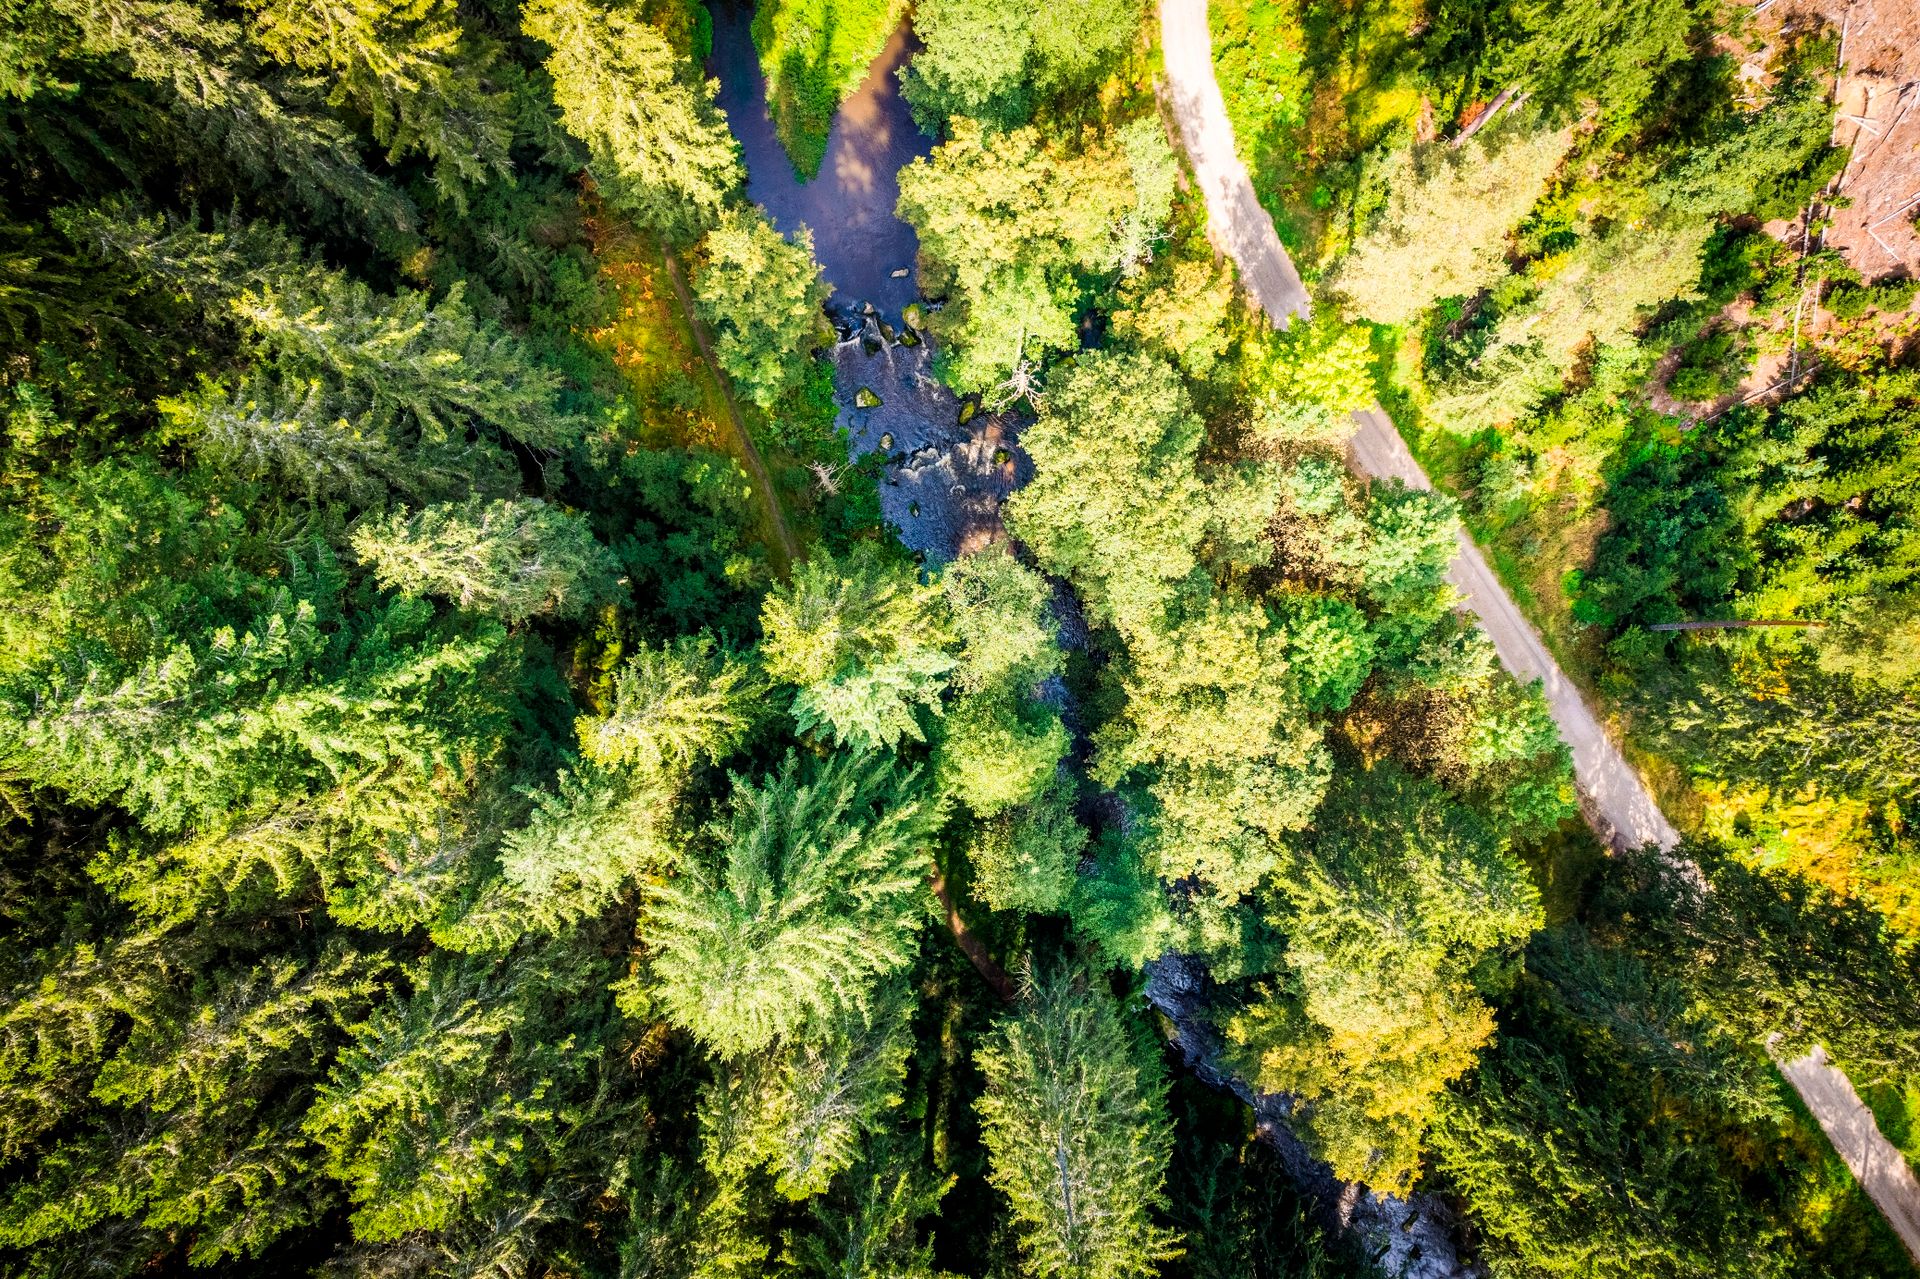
{"points": [[1612, 797], [785, 549], [969, 942], [1877, 1163], [1616, 804]]}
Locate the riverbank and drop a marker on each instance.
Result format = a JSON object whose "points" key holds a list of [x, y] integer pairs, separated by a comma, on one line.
{"points": [[865, 251]]}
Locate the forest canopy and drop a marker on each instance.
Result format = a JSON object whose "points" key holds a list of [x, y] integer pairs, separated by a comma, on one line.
{"points": [[541, 736]]}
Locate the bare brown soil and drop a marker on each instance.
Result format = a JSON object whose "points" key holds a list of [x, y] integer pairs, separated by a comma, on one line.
{"points": [[1877, 114]]}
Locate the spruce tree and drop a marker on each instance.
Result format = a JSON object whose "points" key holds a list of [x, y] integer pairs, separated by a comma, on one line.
{"points": [[410, 69], [510, 559], [658, 149], [1074, 1118], [813, 897]]}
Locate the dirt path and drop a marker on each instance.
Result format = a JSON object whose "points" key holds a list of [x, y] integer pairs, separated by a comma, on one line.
{"points": [[1618, 806], [1877, 1165], [785, 549], [969, 942], [1236, 223]]}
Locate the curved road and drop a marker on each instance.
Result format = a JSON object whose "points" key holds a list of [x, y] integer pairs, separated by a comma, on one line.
{"points": [[1611, 794]]}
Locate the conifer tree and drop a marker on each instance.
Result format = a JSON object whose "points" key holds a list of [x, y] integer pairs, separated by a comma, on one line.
{"points": [[1444, 228], [512, 559], [457, 1100], [657, 147], [399, 365], [866, 1228], [804, 1109], [409, 68], [674, 705], [762, 294], [813, 897], [1404, 893], [862, 640], [265, 133], [1075, 1122]]}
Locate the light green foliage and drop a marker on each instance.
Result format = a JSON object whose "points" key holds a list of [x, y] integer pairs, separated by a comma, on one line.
{"points": [[1155, 174], [996, 751], [813, 54], [1178, 311], [1026, 858], [349, 367], [1000, 612], [672, 706], [1011, 218], [762, 294], [584, 843], [658, 149], [1321, 362], [1444, 228], [201, 1137], [861, 639], [230, 721], [812, 898], [803, 1109], [510, 559], [449, 1099], [991, 59], [1389, 912], [1231, 758], [408, 67], [1116, 503], [215, 88], [1075, 1123], [1329, 648], [1594, 296]]}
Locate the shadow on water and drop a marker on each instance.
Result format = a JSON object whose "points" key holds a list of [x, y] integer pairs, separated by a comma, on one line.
{"points": [[849, 206], [944, 479]]}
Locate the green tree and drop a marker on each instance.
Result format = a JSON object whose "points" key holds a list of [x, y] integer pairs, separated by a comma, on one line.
{"points": [[657, 147], [510, 559], [409, 68], [1116, 503], [461, 1097], [1388, 921], [1027, 858], [804, 1109], [812, 899], [861, 639], [672, 706], [266, 132], [1443, 231], [990, 60], [762, 294], [1074, 1118]]}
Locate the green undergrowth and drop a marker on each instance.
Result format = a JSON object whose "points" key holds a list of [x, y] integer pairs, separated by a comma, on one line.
{"points": [[813, 54]]}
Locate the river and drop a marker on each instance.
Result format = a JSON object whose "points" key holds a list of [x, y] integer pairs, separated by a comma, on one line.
{"points": [[944, 479], [865, 251]]}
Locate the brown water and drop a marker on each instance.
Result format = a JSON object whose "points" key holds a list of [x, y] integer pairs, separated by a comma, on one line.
{"points": [[849, 205]]}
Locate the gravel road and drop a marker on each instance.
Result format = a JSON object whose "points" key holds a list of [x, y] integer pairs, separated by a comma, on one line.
{"points": [[1611, 794], [1877, 1165]]}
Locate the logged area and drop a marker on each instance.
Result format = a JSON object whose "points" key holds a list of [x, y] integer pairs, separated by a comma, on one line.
{"points": [[821, 639]]}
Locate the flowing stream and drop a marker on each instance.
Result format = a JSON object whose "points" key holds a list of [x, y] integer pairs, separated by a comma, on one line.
{"points": [[944, 478]]}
